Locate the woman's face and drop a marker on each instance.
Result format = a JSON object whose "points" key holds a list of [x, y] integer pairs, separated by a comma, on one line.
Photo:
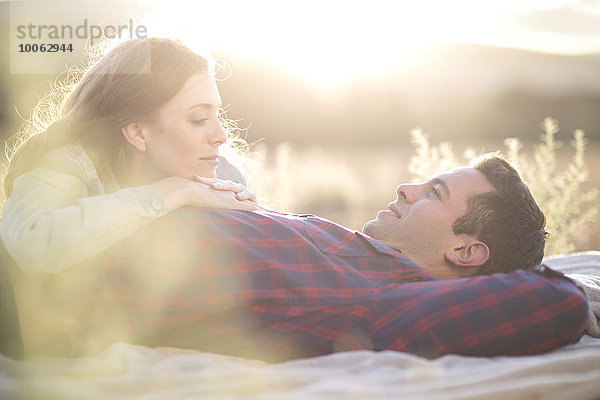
{"points": [[183, 138]]}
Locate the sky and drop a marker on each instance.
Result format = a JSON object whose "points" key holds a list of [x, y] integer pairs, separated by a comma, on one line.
{"points": [[339, 39], [335, 40]]}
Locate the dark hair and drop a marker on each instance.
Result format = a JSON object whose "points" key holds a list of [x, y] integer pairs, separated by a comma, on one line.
{"points": [[131, 81], [508, 220]]}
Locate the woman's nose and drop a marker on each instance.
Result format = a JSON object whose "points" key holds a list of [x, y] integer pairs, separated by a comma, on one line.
{"points": [[218, 135]]}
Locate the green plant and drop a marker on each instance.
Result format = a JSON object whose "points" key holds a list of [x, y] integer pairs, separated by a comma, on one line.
{"points": [[559, 189]]}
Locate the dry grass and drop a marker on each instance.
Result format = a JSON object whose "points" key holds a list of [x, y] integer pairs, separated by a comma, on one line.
{"points": [[349, 185]]}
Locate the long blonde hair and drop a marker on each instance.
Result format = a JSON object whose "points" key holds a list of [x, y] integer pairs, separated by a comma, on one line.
{"points": [[129, 82]]}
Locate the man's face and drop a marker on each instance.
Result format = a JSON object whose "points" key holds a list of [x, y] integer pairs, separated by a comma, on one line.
{"points": [[419, 222]]}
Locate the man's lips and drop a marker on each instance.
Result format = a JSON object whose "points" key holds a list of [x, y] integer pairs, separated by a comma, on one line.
{"points": [[392, 207], [209, 158]]}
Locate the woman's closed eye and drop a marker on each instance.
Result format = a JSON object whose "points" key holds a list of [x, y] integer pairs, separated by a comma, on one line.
{"points": [[199, 121]]}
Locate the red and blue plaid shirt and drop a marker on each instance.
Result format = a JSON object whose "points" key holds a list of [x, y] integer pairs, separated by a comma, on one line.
{"points": [[278, 286]]}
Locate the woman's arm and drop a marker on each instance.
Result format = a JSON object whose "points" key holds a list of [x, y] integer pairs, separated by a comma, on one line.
{"points": [[51, 222], [45, 226]]}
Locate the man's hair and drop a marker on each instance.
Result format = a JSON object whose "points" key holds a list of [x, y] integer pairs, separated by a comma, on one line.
{"points": [[507, 220]]}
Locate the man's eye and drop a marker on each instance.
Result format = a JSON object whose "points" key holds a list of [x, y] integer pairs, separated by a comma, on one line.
{"points": [[435, 192]]}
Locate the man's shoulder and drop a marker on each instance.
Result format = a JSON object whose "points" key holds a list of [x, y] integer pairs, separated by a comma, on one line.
{"points": [[304, 239], [328, 235], [265, 215]]}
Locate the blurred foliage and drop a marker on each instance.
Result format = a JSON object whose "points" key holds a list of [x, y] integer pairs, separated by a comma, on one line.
{"points": [[304, 182], [559, 189], [349, 185]]}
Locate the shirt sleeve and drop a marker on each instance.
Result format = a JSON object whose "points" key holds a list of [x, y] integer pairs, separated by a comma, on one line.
{"points": [[503, 314], [48, 226]]}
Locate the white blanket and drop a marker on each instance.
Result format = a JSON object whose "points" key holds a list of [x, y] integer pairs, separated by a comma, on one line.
{"points": [[583, 267], [133, 372]]}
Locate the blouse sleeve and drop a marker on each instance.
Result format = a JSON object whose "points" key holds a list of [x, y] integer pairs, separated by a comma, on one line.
{"points": [[50, 222]]}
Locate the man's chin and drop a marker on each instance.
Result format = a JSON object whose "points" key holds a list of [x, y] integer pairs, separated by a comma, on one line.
{"points": [[384, 220], [369, 227]]}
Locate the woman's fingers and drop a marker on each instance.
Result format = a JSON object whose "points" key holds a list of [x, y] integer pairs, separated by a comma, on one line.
{"points": [[225, 185], [179, 192], [233, 203], [247, 194], [228, 185], [248, 205], [206, 197], [205, 180]]}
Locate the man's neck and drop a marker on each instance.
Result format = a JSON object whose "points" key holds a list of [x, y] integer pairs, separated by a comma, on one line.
{"points": [[436, 267]]}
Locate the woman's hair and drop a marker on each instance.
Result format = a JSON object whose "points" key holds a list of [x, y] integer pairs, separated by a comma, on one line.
{"points": [[129, 82]]}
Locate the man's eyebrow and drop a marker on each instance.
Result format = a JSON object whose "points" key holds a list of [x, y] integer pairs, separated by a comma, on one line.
{"points": [[204, 105], [442, 183]]}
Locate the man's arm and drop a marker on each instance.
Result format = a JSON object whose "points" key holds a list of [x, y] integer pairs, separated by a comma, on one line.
{"points": [[503, 314], [519, 313]]}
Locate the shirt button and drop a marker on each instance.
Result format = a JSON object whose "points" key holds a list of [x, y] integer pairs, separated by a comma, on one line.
{"points": [[157, 205]]}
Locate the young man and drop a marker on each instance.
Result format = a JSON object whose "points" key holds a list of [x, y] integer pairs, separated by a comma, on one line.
{"points": [[275, 286], [467, 221]]}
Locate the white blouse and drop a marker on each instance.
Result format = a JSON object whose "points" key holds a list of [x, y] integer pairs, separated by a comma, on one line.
{"points": [[60, 214]]}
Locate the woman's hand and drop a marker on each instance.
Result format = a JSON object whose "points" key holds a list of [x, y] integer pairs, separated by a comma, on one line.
{"points": [[180, 192], [241, 191]]}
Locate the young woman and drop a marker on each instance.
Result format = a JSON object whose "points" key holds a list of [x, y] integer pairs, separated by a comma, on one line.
{"points": [[133, 140]]}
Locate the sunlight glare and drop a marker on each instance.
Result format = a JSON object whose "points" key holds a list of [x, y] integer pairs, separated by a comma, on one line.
{"points": [[330, 43]]}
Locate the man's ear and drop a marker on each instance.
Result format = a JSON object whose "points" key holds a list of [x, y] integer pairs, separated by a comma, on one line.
{"points": [[468, 253], [134, 134]]}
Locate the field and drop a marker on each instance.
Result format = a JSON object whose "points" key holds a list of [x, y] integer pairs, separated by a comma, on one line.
{"points": [[349, 184]]}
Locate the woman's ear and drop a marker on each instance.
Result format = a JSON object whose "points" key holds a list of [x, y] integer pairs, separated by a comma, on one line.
{"points": [[134, 134], [469, 253]]}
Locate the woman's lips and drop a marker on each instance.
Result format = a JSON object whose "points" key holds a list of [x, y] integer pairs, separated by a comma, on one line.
{"points": [[210, 159]]}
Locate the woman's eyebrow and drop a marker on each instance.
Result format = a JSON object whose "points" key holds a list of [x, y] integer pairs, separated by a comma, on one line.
{"points": [[205, 105]]}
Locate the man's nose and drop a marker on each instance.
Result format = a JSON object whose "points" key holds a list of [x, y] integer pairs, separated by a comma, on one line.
{"points": [[406, 193]]}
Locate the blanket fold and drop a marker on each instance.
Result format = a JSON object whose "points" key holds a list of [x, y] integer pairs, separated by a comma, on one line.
{"points": [[584, 268]]}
